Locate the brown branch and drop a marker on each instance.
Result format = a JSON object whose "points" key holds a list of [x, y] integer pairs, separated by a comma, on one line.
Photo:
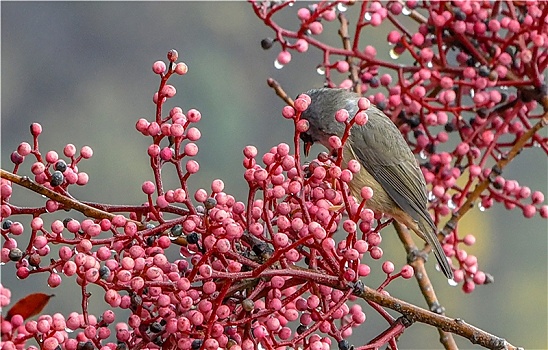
{"points": [[279, 91], [68, 202], [495, 170], [411, 313], [345, 36], [417, 16], [426, 287], [455, 326]]}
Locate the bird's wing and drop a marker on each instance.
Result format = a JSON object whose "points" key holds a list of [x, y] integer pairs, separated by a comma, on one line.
{"points": [[389, 160]]}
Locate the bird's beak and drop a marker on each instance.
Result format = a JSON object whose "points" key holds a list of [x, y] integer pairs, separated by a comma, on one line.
{"points": [[307, 145], [307, 141]]}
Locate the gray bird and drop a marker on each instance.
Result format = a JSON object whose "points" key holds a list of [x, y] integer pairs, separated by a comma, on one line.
{"points": [[387, 164]]}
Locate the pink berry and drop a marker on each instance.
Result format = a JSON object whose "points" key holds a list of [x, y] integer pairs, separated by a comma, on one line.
{"points": [[159, 67], [529, 211], [388, 267], [181, 68], [86, 152], [394, 37], [469, 240], [194, 115], [353, 165], [191, 149], [288, 112], [376, 252], [50, 343], [366, 193], [407, 271], [361, 118], [250, 151], [37, 168], [284, 57], [40, 242], [315, 28], [479, 277], [342, 66], [417, 39], [260, 332], [83, 178], [370, 51], [282, 149], [329, 15], [301, 45], [169, 90], [90, 331], [92, 275], [494, 25], [386, 79], [303, 13], [43, 326], [376, 19], [24, 149], [193, 134], [468, 286], [544, 211], [112, 298], [427, 54], [37, 223], [302, 125], [69, 150], [341, 115], [166, 153], [514, 26], [54, 280], [69, 268], [217, 186], [537, 197], [335, 142], [200, 195], [35, 129], [192, 166]]}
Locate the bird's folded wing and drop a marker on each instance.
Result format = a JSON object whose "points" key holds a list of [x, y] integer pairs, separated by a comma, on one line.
{"points": [[383, 152]]}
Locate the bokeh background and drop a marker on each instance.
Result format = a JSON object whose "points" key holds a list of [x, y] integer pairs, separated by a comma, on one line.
{"points": [[83, 70]]}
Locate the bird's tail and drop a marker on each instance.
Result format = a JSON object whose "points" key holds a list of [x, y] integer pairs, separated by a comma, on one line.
{"points": [[431, 237]]}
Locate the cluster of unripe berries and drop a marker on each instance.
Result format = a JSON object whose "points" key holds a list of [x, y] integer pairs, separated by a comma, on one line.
{"points": [[49, 170], [193, 302], [461, 104], [234, 283]]}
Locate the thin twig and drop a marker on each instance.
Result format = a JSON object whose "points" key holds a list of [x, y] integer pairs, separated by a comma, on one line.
{"points": [[279, 91]]}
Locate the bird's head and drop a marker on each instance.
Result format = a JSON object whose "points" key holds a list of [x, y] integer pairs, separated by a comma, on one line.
{"points": [[320, 114]]}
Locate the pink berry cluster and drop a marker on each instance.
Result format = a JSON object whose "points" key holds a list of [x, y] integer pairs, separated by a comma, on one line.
{"points": [[465, 82], [197, 269], [53, 173]]}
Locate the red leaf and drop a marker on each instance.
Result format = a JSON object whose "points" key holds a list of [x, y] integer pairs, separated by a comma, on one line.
{"points": [[29, 306]]}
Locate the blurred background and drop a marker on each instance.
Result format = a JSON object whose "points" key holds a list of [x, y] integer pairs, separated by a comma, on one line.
{"points": [[83, 70]]}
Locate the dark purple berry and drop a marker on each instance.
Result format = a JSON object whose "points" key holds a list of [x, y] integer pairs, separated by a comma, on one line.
{"points": [[266, 43], [56, 178], [61, 166]]}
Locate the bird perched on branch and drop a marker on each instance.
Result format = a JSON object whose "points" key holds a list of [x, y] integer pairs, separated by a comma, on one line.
{"points": [[387, 164]]}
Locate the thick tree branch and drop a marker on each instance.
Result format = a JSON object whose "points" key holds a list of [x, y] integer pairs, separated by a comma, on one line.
{"points": [[455, 326]]}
